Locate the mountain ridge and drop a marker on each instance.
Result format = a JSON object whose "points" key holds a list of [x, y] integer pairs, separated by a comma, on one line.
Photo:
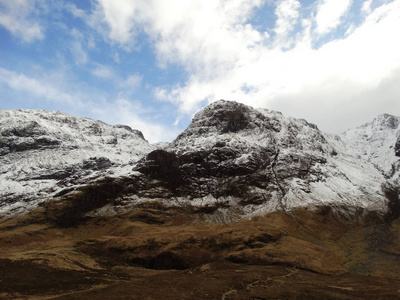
{"points": [[43, 152], [233, 160]]}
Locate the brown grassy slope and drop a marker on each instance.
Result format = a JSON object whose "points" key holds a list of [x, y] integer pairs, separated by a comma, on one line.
{"points": [[154, 252]]}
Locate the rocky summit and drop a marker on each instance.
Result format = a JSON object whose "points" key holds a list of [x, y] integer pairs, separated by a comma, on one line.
{"points": [[244, 204]]}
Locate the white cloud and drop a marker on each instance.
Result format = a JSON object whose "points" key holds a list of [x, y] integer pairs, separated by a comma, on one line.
{"points": [[78, 52], [77, 47], [17, 17], [180, 29], [205, 36], [118, 14], [124, 111], [103, 71], [329, 14], [352, 106], [133, 81], [117, 21], [366, 7], [126, 85], [37, 87], [76, 12], [287, 14], [329, 81]]}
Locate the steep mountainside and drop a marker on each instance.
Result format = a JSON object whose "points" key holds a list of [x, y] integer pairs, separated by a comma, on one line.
{"points": [[245, 162], [42, 153], [377, 142]]}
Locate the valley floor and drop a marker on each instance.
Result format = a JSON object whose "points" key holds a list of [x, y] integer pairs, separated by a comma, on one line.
{"points": [[154, 252]]}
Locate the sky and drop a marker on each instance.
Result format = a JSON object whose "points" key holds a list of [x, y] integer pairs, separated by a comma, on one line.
{"points": [[152, 64]]}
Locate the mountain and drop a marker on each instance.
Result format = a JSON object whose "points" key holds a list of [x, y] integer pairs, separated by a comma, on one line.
{"points": [[43, 153], [233, 161], [251, 162], [244, 204]]}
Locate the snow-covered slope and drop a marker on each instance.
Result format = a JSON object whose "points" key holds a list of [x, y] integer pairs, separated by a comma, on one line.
{"points": [[375, 142], [378, 142], [256, 161], [42, 153], [232, 162]]}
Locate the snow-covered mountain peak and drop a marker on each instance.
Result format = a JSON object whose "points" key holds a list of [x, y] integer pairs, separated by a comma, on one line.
{"points": [[27, 122], [376, 142], [238, 125], [384, 122], [42, 152], [229, 116]]}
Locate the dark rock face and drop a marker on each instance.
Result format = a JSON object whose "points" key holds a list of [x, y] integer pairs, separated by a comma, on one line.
{"points": [[397, 147], [39, 143], [26, 136], [229, 117], [390, 121], [212, 171], [25, 129], [160, 164], [56, 174], [135, 131], [8, 145], [392, 193], [97, 163], [163, 165], [88, 198]]}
